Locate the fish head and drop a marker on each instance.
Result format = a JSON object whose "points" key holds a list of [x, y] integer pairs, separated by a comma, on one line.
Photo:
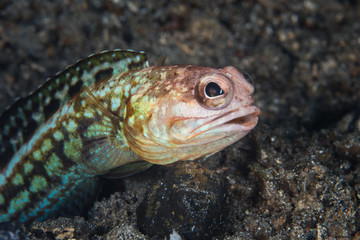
{"points": [[193, 112]]}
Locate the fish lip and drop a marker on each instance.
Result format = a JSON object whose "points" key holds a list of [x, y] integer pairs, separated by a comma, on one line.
{"points": [[247, 121], [240, 119]]}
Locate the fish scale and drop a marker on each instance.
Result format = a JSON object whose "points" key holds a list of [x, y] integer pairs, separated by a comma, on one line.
{"points": [[22, 121], [19, 122], [113, 115]]}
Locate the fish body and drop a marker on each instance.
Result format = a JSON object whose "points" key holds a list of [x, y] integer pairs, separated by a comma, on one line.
{"points": [[112, 114]]}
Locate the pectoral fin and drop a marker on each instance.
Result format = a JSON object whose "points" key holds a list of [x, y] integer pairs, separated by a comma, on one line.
{"points": [[128, 169]]}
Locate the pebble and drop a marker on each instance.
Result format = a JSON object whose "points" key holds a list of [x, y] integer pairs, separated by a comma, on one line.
{"points": [[190, 200]]}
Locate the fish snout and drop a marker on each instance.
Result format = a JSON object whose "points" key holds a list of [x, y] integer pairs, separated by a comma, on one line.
{"points": [[240, 77]]}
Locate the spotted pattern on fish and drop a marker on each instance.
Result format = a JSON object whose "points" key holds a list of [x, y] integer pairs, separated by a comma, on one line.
{"points": [[18, 123], [112, 114], [54, 156]]}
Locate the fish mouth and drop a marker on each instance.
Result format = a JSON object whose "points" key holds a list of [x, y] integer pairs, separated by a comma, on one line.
{"points": [[243, 119]]}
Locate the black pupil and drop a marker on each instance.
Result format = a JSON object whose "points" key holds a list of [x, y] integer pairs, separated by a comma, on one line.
{"points": [[213, 90]]}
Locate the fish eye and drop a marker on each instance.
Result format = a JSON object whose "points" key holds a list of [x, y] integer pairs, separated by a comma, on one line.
{"points": [[213, 90]]}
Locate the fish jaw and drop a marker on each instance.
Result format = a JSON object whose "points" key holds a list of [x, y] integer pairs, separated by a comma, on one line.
{"points": [[239, 121]]}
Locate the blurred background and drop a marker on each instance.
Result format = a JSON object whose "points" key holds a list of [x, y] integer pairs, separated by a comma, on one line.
{"points": [[303, 56]]}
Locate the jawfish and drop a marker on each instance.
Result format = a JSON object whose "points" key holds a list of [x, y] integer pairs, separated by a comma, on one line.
{"points": [[112, 114]]}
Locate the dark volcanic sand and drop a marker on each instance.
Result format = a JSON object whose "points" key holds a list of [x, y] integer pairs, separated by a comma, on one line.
{"points": [[295, 177]]}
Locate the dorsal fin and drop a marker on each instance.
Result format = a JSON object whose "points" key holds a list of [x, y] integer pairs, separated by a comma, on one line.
{"points": [[19, 122]]}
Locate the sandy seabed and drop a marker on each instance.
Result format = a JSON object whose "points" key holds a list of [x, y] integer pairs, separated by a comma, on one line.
{"points": [[296, 176]]}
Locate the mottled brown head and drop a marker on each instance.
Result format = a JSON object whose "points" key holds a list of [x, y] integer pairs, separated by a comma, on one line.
{"points": [[186, 112]]}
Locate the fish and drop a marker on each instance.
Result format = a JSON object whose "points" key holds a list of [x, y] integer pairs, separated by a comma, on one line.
{"points": [[112, 114]]}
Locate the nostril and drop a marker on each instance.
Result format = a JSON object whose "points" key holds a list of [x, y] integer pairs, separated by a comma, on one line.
{"points": [[242, 76], [248, 77], [249, 80]]}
